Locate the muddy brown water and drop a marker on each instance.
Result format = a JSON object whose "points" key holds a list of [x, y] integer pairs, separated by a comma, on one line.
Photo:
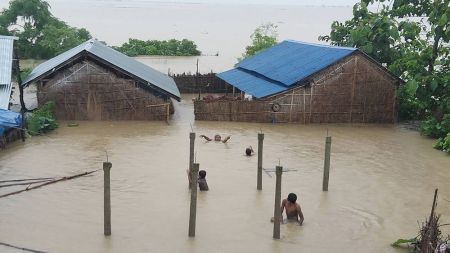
{"points": [[381, 183]]}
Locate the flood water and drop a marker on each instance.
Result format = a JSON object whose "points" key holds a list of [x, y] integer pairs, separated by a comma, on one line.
{"points": [[381, 183]]}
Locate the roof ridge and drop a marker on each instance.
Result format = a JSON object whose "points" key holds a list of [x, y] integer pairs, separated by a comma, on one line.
{"points": [[89, 44], [319, 45]]}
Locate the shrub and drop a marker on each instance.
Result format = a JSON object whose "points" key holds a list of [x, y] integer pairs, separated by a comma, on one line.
{"points": [[42, 120]]}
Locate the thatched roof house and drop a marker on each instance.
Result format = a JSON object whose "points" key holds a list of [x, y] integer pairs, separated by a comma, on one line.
{"points": [[93, 81], [307, 83]]}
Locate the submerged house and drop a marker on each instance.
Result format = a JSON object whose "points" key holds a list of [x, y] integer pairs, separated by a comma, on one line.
{"points": [[306, 83], [95, 82]]}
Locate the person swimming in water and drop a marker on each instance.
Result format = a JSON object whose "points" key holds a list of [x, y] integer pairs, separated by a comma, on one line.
{"points": [[217, 137], [293, 210], [202, 184], [249, 151]]}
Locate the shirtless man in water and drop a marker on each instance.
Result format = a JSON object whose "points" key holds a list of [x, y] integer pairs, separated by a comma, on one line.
{"points": [[293, 210]]}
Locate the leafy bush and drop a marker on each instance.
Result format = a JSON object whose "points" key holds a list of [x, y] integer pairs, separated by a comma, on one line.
{"points": [[42, 120], [431, 127], [441, 130], [443, 144]]}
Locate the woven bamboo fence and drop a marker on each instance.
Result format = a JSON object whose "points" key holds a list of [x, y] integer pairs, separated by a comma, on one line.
{"points": [[88, 91], [354, 90], [10, 136], [204, 83]]}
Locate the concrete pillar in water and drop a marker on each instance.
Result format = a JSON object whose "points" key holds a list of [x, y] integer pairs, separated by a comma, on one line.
{"points": [[193, 208], [260, 154], [191, 155], [107, 198], [326, 166], [277, 211]]}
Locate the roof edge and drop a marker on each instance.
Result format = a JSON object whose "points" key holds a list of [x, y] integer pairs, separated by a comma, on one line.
{"points": [[320, 45]]}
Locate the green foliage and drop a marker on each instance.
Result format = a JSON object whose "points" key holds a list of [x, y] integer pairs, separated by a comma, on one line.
{"points": [[441, 130], [173, 47], [443, 143], [404, 241], [42, 120], [41, 35], [263, 37], [411, 38]]}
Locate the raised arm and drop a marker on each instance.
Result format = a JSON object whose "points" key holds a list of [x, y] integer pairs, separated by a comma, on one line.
{"points": [[226, 139], [205, 137], [300, 215]]}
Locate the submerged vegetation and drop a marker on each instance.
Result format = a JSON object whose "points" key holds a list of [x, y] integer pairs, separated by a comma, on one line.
{"points": [[42, 120], [429, 238], [173, 47], [410, 38]]}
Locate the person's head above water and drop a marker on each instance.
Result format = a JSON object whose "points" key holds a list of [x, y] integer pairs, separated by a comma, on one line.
{"points": [[292, 198], [202, 174], [217, 137], [248, 151]]}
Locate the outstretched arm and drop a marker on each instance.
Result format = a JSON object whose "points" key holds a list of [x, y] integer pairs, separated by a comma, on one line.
{"points": [[300, 215], [226, 139], [205, 137]]}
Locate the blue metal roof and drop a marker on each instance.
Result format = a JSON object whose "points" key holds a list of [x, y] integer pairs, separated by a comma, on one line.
{"points": [[252, 83], [154, 78], [282, 65]]}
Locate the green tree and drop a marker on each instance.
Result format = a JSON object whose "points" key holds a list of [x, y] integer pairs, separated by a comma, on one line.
{"points": [[41, 35], [173, 47], [411, 38], [263, 37]]}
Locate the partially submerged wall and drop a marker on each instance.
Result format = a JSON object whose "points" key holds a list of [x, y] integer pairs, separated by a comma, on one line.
{"points": [[88, 91], [354, 90], [203, 83]]}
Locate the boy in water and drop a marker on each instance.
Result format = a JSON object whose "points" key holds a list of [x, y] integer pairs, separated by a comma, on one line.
{"points": [[249, 151], [202, 184], [293, 210]]}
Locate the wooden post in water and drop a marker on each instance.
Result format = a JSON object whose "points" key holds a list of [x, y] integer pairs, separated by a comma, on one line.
{"points": [[107, 198], [260, 154], [168, 113], [326, 166], [193, 208], [277, 211], [191, 155]]}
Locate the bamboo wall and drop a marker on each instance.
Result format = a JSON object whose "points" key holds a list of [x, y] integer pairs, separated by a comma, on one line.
{"points": [[205, 83], [88, 91], [354, 90], [10, 136]]}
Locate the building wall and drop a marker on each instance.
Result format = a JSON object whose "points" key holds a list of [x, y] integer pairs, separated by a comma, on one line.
{"points": [[88, 91], [354, 90]]}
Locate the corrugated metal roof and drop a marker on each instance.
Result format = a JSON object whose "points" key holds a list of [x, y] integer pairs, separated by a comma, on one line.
{"points": [[251, 83], [130, 66], [6, 53], [278, 68], [291, 61]]}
